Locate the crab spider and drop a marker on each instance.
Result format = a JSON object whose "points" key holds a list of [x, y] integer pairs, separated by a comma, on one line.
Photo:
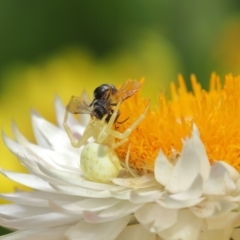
{"points": [[99, 162]]}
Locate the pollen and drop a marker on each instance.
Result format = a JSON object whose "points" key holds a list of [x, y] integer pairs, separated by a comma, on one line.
{"points": [[215, 112]]}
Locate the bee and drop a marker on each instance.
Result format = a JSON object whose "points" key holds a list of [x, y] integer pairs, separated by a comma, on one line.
{"points": [[106, 97]]}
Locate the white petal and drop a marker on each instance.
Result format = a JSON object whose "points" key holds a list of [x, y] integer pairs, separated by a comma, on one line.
{"points": [[124, 195], [118, 210], [234, 174], [49, 136], [186, 169], [101, 231], [83, 192], [39, 198], [13, 197], [163, 169], [187, 227], [64, 176], [47, 156], [184, 199], [20, 211], [219, 181], [217, 208], [43, 220], [76, 179], [71, 164], [156, 218], [13, 146], [56, 233], [65, 160], [91, 204], [136, 232], [145, 195], [19, 151], [141, 182], [40, 139], [28, 180], [37, 171], [18, 135], [201, 152]]}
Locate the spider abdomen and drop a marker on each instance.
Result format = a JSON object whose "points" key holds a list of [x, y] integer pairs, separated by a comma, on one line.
{"points": [[99, 162]]}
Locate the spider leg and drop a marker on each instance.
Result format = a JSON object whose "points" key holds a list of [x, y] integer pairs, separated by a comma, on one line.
{"points": [[107, 128], [113, 117], [131, 171], [124, 135], [86, 135], [115, 145]]}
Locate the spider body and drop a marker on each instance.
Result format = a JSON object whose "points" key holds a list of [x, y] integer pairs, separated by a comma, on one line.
{"points": [[99, 162]]}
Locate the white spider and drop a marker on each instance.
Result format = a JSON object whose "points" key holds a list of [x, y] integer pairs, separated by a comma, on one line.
{"points": [[99, 162]]}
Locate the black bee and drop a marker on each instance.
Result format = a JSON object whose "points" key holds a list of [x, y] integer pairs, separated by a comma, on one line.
{"points": [[106, 96], [102, 103]]}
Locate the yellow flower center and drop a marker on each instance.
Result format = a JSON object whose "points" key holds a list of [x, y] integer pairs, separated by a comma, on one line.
{"points": [[216, 113]]}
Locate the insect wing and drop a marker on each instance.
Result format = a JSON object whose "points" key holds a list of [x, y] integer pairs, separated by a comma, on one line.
{"points": [[78, 105], [127, 90]]}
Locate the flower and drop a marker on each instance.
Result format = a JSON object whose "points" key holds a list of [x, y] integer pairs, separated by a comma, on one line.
{"points": [[63, 202], [175, 188], [200, 201]]}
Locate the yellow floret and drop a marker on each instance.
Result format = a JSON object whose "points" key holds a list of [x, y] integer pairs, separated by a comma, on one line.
{"points": [[215, 112]]}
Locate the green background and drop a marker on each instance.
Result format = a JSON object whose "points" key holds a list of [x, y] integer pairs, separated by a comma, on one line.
{"points": [[199, 31], [34, 30]]}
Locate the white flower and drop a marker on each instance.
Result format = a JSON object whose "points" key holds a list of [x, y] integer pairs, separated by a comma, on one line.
{"points": [[64, 204], [188, 200], [200, 201]]}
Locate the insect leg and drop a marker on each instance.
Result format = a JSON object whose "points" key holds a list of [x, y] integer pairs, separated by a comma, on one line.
{"points": [[128, 131]]}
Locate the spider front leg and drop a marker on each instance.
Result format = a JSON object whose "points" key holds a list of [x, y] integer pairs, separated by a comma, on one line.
{"points": [[86, 135], [124, 136], [107, 128]]}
